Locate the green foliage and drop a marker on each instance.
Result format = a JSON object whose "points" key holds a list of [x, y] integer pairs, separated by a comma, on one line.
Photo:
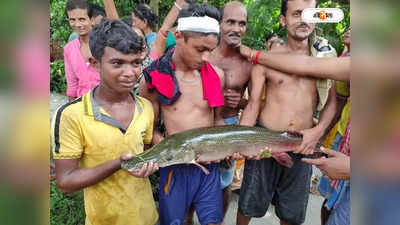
{"points": [[66, 209], [57, 77], [59, 27]]}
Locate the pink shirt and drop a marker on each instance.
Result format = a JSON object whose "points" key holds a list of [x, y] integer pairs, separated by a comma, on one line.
{"points": [[80, 76]]}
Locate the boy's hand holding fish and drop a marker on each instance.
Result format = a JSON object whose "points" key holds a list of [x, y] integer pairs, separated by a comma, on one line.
{"points": [[146, 170]]}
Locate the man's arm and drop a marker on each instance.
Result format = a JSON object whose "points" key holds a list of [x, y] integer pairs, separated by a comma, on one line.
{"points": [[71, 178], [313, 135], [332, 68], [250, 113], [110, 9], [70, 77], [159, 43], [152, 97]]}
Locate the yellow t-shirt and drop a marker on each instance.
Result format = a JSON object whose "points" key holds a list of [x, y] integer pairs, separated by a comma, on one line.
{"points": [[83, 130]]}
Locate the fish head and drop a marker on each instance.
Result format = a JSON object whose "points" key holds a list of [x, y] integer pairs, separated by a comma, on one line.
{"points": [[177, 157]]}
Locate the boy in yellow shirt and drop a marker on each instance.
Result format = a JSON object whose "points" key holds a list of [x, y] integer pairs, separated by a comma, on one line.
{"points": [[93, 134]]}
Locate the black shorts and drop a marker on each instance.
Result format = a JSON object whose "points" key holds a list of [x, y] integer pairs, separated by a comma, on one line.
{"points": [[266, 180]]}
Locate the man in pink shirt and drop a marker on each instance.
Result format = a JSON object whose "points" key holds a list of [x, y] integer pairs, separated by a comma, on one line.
{"points": [[80, 76]]}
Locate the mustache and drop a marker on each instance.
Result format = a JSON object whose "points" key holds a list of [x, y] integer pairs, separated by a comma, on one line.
{"points": [[303, 25], [234, 34]]}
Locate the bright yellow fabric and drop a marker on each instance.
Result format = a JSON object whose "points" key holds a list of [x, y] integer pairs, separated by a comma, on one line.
{"points": [[342, 88], [120, 199], [344, 117]]}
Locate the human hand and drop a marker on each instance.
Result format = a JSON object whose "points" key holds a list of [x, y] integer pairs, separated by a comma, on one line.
{"points": [[310, 140], [146, 170], [245, 51], [336, 167], [232, 98]]}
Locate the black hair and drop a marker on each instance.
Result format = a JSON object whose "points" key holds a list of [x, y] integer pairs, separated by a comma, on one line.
{"points": [[114, 34], [96, 10], [76, 4], [199, 10], [284, 6], [270, 35], [222, 10], [127, 20], [144, 12]]}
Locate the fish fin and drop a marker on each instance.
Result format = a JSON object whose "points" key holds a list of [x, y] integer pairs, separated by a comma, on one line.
{"points": [[205, 170], [284, 159]]}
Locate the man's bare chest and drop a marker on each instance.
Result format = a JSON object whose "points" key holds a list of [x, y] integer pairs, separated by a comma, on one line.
{"points": [[237, 73]]}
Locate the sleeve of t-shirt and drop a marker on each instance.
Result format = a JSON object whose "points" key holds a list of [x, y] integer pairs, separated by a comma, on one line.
{"points": [[72, 80], [149, 130], [66, 136]]}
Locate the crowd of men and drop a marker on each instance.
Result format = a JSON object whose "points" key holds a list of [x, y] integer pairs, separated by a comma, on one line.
{"points": [[123, 77]]}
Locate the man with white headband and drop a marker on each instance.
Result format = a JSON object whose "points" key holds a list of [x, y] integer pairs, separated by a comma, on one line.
{"points": [[237, 72], [187, 90]]}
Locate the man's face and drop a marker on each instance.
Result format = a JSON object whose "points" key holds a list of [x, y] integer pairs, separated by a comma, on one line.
{"points": [[96, 20], [119, 71], [296, 28], [79, 21], [233, 25], [196, 50]]}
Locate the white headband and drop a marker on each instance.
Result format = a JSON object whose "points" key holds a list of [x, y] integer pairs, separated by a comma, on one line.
{"points": [[203, 24]]}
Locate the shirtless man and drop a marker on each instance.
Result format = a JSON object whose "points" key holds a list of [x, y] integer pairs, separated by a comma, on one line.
{"points": [[181, 185], [237, 74], [290, 105]]}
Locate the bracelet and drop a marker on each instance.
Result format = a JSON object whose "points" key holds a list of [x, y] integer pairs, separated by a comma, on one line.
{"points": [[177, 6], [255, 61]]}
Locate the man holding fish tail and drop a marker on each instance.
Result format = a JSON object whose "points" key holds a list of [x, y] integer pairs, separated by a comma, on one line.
{"points": [[291, 104], [187, 90]]}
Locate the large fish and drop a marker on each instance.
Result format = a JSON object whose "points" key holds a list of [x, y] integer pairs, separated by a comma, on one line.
{"points": [[216, 143]]}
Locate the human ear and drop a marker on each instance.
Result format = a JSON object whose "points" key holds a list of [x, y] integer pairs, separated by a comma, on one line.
{"points": [[95, 64], [282, 20]]}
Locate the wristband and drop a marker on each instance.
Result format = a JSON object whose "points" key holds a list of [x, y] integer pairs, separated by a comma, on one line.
{"points": [[177, 6], [255, 61]]}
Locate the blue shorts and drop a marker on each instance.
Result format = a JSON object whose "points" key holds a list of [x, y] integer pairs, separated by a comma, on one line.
{"points": [[340, 215], [227, 173], [184, 184]]}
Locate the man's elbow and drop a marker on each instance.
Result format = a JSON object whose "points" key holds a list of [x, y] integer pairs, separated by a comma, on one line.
{"points": [[64, 186]]}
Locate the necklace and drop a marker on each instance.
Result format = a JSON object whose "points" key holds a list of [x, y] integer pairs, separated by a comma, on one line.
{"points": [[197, 75]]}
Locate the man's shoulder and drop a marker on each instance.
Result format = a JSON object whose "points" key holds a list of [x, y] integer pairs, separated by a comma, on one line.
{"points": [[71, 45], [70, 110], [144, 103], [279, 49]]}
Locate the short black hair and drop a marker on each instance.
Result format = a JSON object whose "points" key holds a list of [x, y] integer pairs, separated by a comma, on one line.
{"points": [[96, 10], [77, 4], [127, 20], [270, 35], [284, 6], [114, 34], [199, 10], [144, 12]]}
